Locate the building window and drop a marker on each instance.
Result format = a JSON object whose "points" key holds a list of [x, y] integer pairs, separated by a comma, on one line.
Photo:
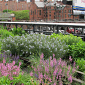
{"points": [[69, 11], [54, 13], [50, 15], [69, 15], [39, 12]]}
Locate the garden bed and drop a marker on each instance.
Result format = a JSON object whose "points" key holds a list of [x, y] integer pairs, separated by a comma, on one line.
{"points": [[50, 68]]}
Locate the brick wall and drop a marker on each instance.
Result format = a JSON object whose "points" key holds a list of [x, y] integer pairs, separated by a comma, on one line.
{"points": [[13, 5]]}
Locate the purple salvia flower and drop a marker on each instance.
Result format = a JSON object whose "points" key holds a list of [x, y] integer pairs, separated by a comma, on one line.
{"points": [[10, 54], [36, 75]]}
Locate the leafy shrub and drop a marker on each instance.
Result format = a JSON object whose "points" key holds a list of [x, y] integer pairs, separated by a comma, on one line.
{"points": [[77, 50], [34, 44], [6, 10], [18, 31], [19, 80], [52, 71], [81, 64], [69, 39], [5, 33], [21, 15]]}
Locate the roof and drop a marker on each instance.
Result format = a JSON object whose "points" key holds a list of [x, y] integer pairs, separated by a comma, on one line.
{"points": [[39, 4], [52, 4]]}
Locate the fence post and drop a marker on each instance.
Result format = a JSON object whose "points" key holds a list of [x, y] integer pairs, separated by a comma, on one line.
{"points": [[34, 28]]}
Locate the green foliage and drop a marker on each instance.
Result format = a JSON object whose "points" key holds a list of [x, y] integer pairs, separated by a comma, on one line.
{"points": [[19, 80], [5, 33], [6, 10], [77, 50], [69, 39], [5, 80], [18, 31], [34, 44], [21, 15], [81, 64]]}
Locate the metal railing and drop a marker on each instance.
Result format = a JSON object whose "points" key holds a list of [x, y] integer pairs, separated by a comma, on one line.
{"points": [[47, 28]]}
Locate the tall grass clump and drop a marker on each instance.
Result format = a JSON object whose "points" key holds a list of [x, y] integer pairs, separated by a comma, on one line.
{"points": [[34, 44]]}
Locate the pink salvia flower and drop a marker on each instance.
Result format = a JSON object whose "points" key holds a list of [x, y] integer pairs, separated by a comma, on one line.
{"points": [[74, 64], [70, 58], [50, 80], [31, 73], [42, 55], [70, 79], [53, 55], [59, 61], [51, 63], [54, 83], [4, 61], [19, 64], [13, 63], [46, 69], [40, 75], [60, 71]]}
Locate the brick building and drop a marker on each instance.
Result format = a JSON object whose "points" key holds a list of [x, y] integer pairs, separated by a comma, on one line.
{"points": [[14, 5], [49, 11], [40, 10]]}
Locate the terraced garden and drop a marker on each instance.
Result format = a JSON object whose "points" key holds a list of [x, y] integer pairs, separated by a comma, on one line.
{"points": [[35, 59]]}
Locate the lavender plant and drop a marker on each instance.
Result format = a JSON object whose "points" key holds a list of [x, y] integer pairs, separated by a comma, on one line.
{"points": [[9, 57], [53, 72], [34, 43]]}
